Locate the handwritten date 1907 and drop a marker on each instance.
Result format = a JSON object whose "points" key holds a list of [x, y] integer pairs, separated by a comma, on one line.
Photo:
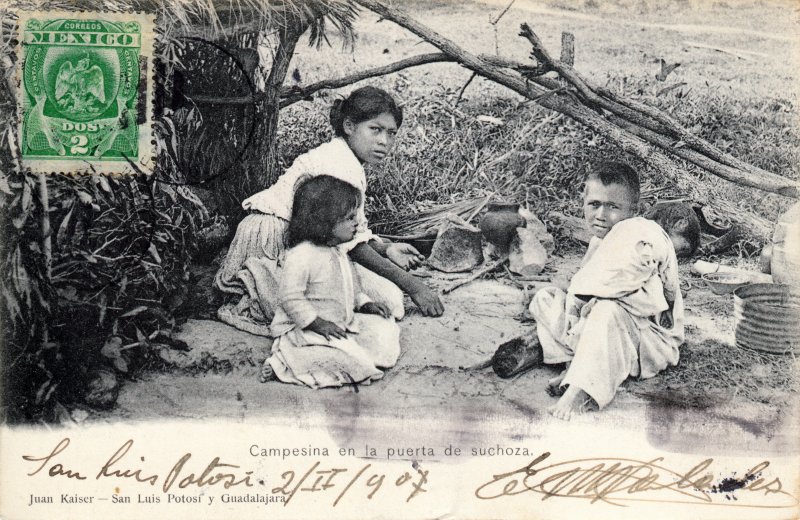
{"points": [[615, 481], [321, 480]]}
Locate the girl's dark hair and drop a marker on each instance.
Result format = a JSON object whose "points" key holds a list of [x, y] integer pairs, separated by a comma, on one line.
{"points": [[363, 104], [319, 204], [678, 218], [614, 172]]}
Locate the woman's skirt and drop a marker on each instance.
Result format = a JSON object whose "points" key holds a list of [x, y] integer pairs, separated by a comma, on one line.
{"points": [[251, 270]]}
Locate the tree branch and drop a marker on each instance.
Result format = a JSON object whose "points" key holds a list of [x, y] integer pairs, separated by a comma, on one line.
{"points": [[294, 94]]}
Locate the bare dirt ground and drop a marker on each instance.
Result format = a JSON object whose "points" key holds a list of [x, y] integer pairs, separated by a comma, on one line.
{"points": [[218, 376]]}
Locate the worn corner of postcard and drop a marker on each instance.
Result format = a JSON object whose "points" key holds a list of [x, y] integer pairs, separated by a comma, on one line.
{"points": [[85, 96]]}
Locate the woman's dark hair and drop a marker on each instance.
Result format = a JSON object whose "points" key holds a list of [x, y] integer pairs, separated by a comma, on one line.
{"points": [[363, 104], [319, 204]]}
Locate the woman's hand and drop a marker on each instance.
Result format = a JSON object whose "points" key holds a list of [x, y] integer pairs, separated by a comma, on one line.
{"points": [[327, 329], [381, 309], [427, 300], [404, 256]]}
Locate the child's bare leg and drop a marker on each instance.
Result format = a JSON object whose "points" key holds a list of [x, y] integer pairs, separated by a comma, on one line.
{"points": [[570, 403]]}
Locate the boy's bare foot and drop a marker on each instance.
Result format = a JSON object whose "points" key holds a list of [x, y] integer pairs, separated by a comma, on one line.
{"points": [[267, 374], [572, 402]]}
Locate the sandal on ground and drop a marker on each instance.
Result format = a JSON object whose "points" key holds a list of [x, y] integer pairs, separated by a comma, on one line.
{"points": [[516, 356]]}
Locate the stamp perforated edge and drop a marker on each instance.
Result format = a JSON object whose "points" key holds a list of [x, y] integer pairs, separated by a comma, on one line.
{"points": [[146, 140]]}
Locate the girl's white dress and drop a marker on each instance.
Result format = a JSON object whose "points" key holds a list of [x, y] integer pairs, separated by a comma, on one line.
{"points": [[318, 281], [252, 265]]}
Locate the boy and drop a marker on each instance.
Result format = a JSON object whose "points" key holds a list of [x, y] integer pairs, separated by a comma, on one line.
{"points": [[622, 314]]}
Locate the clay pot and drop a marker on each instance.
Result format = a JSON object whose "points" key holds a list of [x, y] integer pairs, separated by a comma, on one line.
{"points": [[499, 224]]}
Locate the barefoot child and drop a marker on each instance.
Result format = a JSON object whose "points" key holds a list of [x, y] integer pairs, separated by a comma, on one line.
{"points": [[328, 332], [622, 314], [365, 125]]}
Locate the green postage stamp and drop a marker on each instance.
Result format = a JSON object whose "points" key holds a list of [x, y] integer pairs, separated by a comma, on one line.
{"points": [[85, 92]]}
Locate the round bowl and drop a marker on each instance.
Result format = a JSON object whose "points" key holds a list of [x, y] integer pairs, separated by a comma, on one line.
{"points": [[725, 283]]}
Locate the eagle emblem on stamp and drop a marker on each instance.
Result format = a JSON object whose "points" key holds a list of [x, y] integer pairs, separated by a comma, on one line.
{"points": [[85, 96]]}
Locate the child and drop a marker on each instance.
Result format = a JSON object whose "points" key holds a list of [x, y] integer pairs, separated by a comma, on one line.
{"points": [[680, 222], [320, 340], [365, 125], [622, 314]]}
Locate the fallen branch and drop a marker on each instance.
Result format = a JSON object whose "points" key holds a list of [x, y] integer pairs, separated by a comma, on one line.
{"points": [[741, 54], [295, 94], [651, 124], [477, 274], [636, 128]]}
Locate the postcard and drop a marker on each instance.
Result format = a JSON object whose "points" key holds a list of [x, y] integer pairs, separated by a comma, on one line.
{"points": [[367, 259]]}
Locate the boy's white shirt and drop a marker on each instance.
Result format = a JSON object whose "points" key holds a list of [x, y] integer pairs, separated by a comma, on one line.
{"points": [[334, 158], [635, 264]]}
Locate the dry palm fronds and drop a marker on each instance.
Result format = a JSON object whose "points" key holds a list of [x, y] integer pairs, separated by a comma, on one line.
{"points": [[426, 223]]}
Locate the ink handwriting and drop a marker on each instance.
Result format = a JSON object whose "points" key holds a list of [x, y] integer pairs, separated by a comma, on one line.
{"points": [[618, 480]]}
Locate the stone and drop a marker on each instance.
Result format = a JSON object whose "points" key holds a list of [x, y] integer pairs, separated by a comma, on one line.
{"points": [[574, 227], [457, 248], [527, 256], [540, 229], [103, 390]]}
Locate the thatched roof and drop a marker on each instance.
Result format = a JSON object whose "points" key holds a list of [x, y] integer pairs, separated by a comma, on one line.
{"points": [[213, 19]]}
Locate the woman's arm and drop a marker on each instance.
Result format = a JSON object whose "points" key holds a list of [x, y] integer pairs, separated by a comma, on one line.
{"points": [[402, 255], [428, 302], [380, 247]]}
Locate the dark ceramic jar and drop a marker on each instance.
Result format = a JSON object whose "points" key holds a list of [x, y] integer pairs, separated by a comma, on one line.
{"points": [[500, 222]]}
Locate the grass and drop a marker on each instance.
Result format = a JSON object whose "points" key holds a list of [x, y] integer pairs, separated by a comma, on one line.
{"points": [[712, 368], [445, 154]]}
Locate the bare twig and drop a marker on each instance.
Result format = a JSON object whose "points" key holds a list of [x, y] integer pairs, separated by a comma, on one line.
{"points": [[477, 274], [494, 25], [502, 13], [47, 243], [464, 88]]}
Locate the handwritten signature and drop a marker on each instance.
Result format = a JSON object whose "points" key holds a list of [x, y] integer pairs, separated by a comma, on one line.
{"points": [[617, 481]]}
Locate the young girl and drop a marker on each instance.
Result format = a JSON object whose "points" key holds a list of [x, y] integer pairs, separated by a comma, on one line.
{"points": [[365, 125], [321, 341]]}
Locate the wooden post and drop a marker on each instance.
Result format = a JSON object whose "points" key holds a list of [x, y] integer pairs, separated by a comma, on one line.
{"points": [[568, 48]]}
